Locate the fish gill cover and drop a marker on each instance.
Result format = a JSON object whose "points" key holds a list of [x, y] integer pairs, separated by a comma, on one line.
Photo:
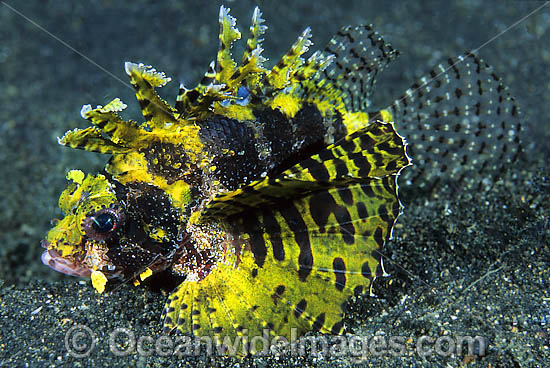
{"points": [[272, 191]]}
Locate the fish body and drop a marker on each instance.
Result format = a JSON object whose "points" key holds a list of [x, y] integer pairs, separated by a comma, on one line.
{"points": [[272, 192]]}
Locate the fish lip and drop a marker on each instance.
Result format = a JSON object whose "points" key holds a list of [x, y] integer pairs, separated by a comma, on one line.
{"points": [[52, 259]]}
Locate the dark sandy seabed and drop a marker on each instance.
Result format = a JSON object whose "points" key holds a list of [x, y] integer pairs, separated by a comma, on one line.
{"points": [[462, 263]]}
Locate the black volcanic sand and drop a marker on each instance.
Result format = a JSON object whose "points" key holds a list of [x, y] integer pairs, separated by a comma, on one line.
{"points": [[462, 263]]}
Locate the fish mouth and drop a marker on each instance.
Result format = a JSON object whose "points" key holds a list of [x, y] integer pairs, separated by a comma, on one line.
{"points": [[54, 260]]}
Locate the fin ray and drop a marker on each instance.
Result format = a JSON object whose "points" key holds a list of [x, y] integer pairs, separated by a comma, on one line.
{"points": [[461, 124], [360, 55]]}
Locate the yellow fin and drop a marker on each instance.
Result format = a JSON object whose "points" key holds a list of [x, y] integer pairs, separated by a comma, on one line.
{"points": [[281, 74], [90, 139], [76, 176], [154, 109], [226, 66], [121, 132], [257, 29]]}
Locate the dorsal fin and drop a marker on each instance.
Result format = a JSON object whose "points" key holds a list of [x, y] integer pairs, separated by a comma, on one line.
{"points": [[190, 102], [224, 78], [225, 65], [90, 139], [360, 54], [257, 29], [154, 109], [281, 74], [110, 133], [106, 118]]}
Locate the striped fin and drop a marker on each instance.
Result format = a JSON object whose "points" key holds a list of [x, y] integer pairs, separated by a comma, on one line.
{"points": [[91, 139], [282, 73], [120, 131], [250, 71], [461, 123], [184, 100], [209, 307], [341, 78], [360, 55], [190, 102], [317, 62], [257, 29], [225, 65], [208, 79], [223, 78], [308, 87], [154, 109], [307, 257], [374, 151], [251, 67]]}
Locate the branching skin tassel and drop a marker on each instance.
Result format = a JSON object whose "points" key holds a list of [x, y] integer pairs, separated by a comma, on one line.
{"points": [[271, 191]]}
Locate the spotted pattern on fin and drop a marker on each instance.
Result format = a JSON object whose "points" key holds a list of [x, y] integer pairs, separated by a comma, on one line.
{"points": [[360, 55], [461, 124]]}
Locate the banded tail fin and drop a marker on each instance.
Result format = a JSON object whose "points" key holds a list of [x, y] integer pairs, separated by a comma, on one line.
{"points": [[460, 122]]}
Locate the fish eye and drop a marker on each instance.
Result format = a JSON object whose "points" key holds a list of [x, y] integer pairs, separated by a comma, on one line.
{"points": [[102, 224]]}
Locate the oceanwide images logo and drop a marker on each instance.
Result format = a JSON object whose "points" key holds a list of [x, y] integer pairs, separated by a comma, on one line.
{"points": [[80, 342]]}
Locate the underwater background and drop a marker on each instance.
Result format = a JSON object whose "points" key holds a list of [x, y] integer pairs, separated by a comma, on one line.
{"points": [[462, 262]]}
